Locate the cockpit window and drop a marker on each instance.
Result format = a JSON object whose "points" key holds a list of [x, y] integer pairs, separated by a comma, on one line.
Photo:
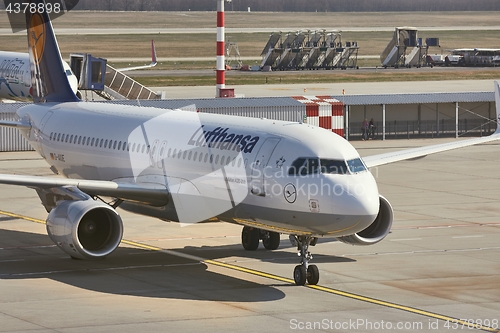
{"points": [[304, 166], [356, 165], [336, 167], [308, 166]]}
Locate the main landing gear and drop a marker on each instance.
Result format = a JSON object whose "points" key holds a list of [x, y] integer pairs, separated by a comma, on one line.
{"points": [[250, 238], [304, 272]]}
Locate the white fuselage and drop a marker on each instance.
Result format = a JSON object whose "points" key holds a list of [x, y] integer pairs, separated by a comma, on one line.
{"points": [[180, 148], [15, 76]]}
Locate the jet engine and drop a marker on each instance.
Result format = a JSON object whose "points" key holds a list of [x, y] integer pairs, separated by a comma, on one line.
{"points": [[85, 229], [376, 231]]}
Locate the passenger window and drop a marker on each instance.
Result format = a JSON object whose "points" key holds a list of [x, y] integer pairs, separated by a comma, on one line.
{"points": [[51, 136], [71, 139], [102, 141], [222, 160], [106, 144], [119, 145]]}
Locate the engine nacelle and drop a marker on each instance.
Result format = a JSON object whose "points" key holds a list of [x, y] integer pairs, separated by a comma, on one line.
{"points": [[375, 231], [85, 229]]}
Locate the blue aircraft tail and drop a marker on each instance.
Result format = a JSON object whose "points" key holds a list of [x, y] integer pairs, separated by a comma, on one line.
{"points": [[49, 81]]}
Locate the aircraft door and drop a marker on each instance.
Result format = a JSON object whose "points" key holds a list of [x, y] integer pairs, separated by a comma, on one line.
{"points": [[259, 165], [39, 135]]}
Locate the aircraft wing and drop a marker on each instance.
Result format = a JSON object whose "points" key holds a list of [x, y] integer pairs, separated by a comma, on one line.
{"points": [[152, 64], [407, 154], [153, 194]]}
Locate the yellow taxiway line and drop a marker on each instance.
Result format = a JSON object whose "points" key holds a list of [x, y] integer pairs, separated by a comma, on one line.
{"points": [[450, 320]]}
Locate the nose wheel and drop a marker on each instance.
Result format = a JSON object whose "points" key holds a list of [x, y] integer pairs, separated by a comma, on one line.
{"points": [[305, 272]]}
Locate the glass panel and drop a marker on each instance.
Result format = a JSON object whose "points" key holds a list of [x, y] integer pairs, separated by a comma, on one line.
{"points": [[356, 165], [333, 167]]}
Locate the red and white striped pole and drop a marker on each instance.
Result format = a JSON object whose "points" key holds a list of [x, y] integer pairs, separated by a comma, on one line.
{"points": [[221, 66]]}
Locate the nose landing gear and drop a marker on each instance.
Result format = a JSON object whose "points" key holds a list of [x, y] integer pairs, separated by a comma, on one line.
{"points": [[305, 272]]}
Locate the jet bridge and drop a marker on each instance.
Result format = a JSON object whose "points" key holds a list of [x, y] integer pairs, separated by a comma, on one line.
{"points": [[96, 75]]}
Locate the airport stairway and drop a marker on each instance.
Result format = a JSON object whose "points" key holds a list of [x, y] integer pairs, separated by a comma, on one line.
{"points": [[390, 58], [120, 86], [415, 57]]}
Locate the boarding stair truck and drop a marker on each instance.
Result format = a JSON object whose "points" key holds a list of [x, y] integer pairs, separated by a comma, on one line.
{"points": [[269, 54], [349, 56], [394, 54], [328, 50], [417, 55], [311, 48], [292, 45]]}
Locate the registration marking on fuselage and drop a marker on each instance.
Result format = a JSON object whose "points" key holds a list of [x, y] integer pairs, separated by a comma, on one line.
{"points": [[337, 292]]}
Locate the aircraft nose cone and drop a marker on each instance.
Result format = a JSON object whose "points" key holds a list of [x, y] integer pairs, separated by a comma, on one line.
{"points": [[357, 196]]}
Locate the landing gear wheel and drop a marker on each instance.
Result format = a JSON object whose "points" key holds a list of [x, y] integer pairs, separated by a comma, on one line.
{"points": [[300, 275], [304, 271], [250, 238], [271, 240], [312, 274]]}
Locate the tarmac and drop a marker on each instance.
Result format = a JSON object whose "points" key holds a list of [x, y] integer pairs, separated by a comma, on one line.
{"points": [[437, 271], [328, 89]]}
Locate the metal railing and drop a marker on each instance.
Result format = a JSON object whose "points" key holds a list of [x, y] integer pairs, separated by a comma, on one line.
{"points": [[425, 129]]}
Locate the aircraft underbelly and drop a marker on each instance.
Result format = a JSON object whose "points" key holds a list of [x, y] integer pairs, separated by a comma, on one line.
{"points": [[297, 222]]}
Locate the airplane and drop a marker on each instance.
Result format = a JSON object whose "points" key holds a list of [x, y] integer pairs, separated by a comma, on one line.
{"points": [[15, 74], [271, 177]]}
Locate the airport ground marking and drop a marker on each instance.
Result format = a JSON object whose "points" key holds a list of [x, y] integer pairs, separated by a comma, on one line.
{"points": [[451, 320]]}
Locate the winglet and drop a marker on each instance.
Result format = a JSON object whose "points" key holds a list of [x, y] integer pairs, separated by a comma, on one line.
{"points": [[153, 63], [497, 102], [48, 77], [153, 53]]}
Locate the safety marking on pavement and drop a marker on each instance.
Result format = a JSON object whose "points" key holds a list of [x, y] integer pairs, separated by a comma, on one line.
{"points": [[462, 323], [22, 217]]}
